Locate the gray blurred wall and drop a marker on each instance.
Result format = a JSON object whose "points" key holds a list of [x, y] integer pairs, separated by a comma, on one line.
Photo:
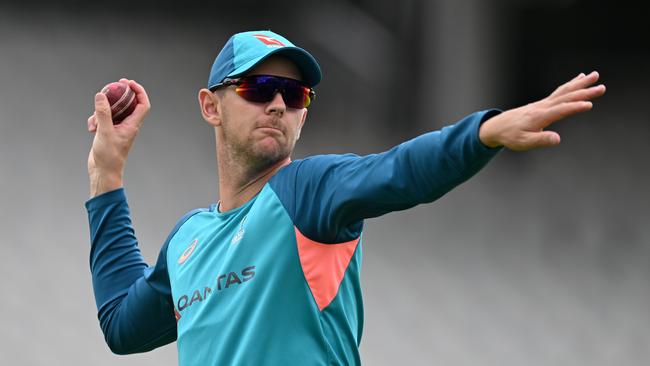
{"points": [[543, 258]]}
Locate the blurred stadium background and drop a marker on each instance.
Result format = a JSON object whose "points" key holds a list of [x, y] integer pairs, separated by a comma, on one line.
{"points": [[541, 259]]}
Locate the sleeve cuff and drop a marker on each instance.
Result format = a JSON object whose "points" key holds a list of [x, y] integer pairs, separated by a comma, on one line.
{"points": [[487, 114], [105, 199]]}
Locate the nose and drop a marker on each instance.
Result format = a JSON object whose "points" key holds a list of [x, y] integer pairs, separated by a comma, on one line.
{"points": [[276, 105]]}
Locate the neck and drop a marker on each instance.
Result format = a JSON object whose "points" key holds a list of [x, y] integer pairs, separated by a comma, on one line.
{"points": [[238, 184]]}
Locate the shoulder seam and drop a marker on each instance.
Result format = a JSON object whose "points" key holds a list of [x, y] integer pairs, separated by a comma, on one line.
{"points": [[165, 246], [180, 223]]}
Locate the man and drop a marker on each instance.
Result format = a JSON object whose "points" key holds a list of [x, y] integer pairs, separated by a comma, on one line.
{"points": [[270, 274]]}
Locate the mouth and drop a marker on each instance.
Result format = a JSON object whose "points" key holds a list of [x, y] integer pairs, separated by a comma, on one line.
{"points": [[270, 129]]}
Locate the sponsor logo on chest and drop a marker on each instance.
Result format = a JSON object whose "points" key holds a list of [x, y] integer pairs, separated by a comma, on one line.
{"points": [[224, 282]]}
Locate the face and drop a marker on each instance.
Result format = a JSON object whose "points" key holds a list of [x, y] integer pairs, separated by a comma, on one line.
{"points": [[259, 134]]}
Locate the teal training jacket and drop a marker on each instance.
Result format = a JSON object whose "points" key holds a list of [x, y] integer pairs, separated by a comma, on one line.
{"points": [[277, 280]]}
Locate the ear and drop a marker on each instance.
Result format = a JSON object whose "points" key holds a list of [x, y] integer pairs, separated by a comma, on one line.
{"points": [[302, 123], [210, 107]]}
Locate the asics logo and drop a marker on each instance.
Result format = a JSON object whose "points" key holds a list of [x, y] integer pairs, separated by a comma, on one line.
{"points": [[188, 252]]}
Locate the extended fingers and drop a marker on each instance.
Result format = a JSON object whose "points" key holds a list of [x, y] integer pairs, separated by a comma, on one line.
{"points": [[583, 82], [579, 82], [564, 110], [580, 75], [581, 94]]}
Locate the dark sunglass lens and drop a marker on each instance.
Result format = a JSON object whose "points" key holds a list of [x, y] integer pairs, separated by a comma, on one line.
{"points": [[253, 93], [255, 89], [296, 95], [262, 89]]}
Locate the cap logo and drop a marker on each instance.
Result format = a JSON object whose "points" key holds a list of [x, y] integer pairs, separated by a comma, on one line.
{"points": [[269, 41]]}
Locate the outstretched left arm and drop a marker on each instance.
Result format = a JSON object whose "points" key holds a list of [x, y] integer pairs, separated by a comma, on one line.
{"points": [[522, 128], [330, 195]]}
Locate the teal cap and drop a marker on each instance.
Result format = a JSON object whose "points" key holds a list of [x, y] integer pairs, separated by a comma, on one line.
{"points": [[245, 50]]}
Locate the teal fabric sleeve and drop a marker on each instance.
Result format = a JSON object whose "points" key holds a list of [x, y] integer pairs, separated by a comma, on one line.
{"points": [[328, 196], [134, 302]]}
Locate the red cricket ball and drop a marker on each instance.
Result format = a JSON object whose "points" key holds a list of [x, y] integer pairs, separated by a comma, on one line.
{"points": [[122, 100]]}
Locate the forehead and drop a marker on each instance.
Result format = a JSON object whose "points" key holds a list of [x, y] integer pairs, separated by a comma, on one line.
{"points": [[277, 65]]}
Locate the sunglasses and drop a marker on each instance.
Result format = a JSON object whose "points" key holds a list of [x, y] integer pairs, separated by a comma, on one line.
{"points": [[262, 89]]}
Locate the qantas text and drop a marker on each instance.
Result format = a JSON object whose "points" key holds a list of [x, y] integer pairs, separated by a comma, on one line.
{"points": [[224, 281]]}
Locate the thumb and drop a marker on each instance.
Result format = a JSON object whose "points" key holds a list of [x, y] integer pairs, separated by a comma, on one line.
{"points": [[103, 112], [545, 139]]}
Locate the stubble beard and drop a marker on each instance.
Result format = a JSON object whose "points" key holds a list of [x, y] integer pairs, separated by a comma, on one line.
{"points": [[253, 153]]}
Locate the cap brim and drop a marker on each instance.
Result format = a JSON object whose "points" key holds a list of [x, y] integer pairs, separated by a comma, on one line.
{"points": [[306, 63]]}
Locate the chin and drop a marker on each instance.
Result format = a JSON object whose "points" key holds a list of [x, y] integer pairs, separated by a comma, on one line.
{"points": [[270, 155]]}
